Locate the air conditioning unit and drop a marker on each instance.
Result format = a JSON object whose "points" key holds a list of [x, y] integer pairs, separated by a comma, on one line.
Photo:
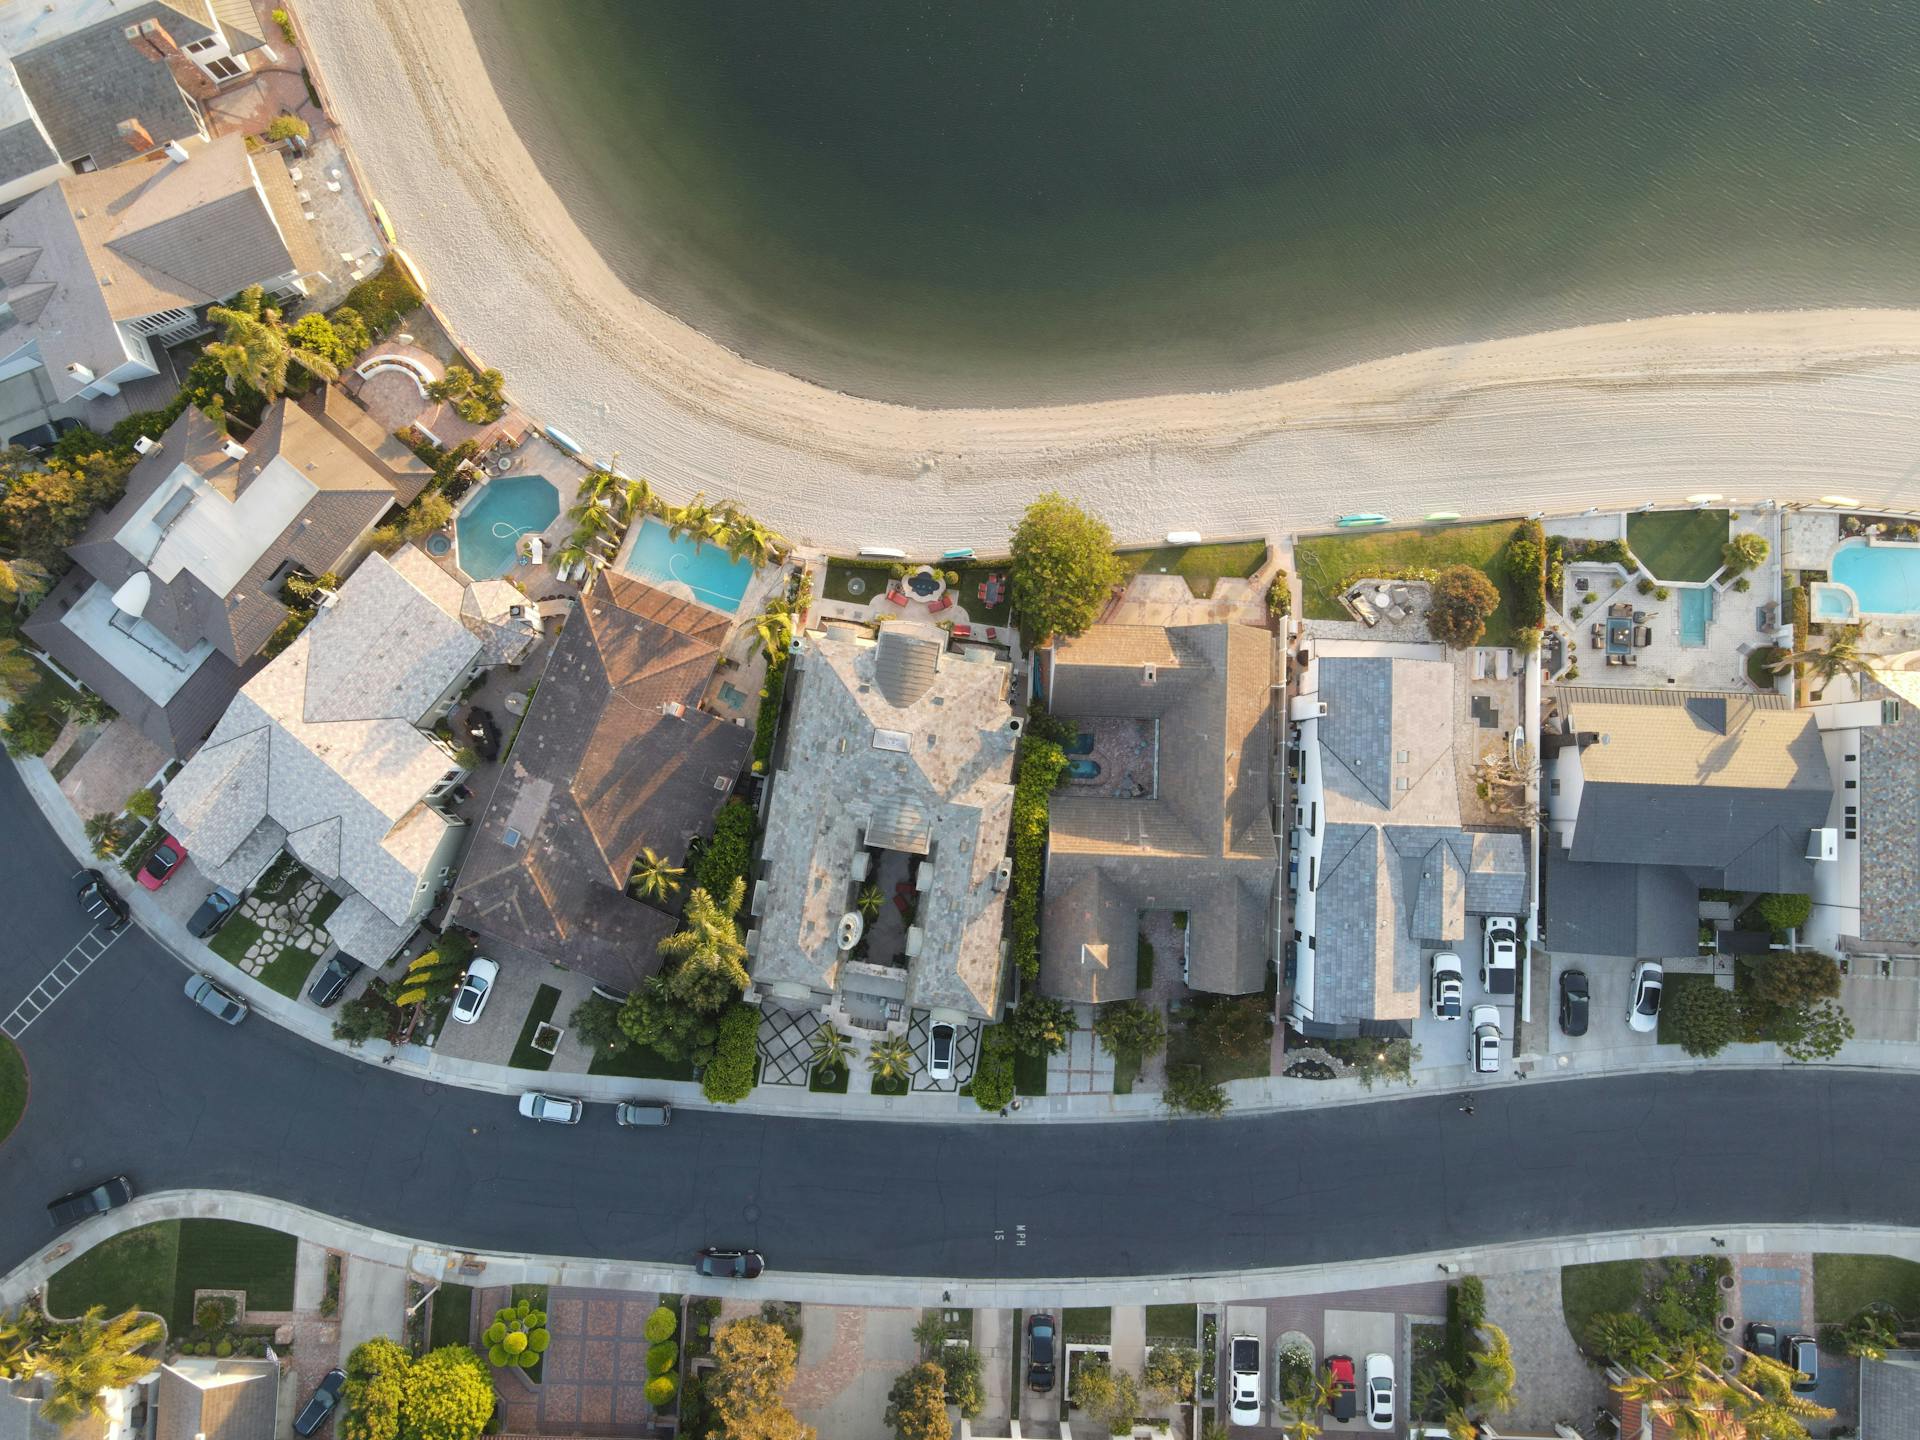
{"points": [[233, 449], [145, 445]]}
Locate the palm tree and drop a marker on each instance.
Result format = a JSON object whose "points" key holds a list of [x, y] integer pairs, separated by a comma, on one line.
{"points": [[745, 537], [18, 673], [1765, 1404], [653, 878], [18, 1334], [830, 1049], [596, 485], [775, 629], [695, 519], [573, 553], [890, 1057], [592, 521], [1490, 1382], [635, 498], [1624, 1338], [1842, 655], [712, 968], [870, 900], [103, 832], [91, 1356], [23, 579], [254, 349]]}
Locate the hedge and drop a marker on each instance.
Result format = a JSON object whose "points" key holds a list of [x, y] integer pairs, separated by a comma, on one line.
{"points": [[729, 1076], [728, 852], [769, 716], [1041, 762], [383, 298], [661, 1324], [1525, 558], [993, 1072]]}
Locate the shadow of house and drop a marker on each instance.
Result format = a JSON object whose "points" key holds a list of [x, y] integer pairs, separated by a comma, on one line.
{"points": [[614, 756]]}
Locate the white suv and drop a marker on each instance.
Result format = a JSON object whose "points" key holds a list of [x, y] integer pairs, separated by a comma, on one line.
{"points": [[1500, 955], [1485, 1041], [1245, 1409]]}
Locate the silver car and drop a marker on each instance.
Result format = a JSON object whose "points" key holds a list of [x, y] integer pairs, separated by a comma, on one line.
{"points": [[1485, 1049], [553, 1109], [215, 1001]]}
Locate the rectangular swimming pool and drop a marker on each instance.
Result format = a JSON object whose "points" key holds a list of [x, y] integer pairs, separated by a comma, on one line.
{"points": [[1696, 608], [703, 573]]}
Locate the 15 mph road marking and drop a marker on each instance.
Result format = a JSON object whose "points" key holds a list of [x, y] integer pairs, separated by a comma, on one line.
{"points": [[67, 969]]}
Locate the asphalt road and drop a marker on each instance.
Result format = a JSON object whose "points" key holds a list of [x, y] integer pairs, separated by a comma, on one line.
{"points": [[126, 1076]]}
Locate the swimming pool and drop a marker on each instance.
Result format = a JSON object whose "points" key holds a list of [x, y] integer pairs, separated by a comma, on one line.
{"points": [[705, 573], [1885, 579], [1081, 744], [1080, 768], [490, 528], [1696, 608]]}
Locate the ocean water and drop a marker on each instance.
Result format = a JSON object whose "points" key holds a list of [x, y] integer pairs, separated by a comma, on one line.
{"points": [[1019, 201]]}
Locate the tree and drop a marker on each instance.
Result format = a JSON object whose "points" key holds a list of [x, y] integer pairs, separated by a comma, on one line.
{"points": [[654, 1017], [1525, 561], [695, 520], [1129, 1027], [712, 968], [993, 1071], [1463, 598], [1041, 1025], [45, 504], [930, 1334], [775, 631], [316, 333], [654, 876], [23, 579], [1745, 551], [1814, 1032], [1230, 1028], [103, 834], [830, 1049], [1064, 569], [517, 1336], [917, 1404], [1170, 1370], [285, 127], [1783, 912], [1794, 977], [91, 1355], [1189, 1092], [1704, 1018], [477, 399], [1624, 1338], [754, 1365], [596, 1021], [747, 539], [375, 1391], [254, 349], [1764, 1403], [446, 1394], [1841, 655], [1110, 1396], [890, 1058], [18, 672], [869, 901], [966, 1384], [1490, 1382], [1867, 1335], [368, 1016], [19, 1333]]}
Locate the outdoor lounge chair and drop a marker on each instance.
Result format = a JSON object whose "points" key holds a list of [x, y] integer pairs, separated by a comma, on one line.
{"points": [[1363, 609], [1643, 635], [945, 602]]}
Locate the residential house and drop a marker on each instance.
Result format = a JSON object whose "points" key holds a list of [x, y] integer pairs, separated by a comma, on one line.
{"points": [[101, 270], [896, 773], [1187, 828], [22, 1416], [614, 757], [205, 1399], [1654, 794], [87, 84], [329, 754], [1385, 875], [177, 587], [1654, 1421], [1890, 1396], [1869, 901]]}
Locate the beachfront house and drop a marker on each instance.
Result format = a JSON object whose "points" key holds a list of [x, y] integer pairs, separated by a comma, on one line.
{"points": [[176, 589]]}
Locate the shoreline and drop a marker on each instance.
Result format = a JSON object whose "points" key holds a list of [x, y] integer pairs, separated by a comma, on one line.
{"points": [[1787, 405]]}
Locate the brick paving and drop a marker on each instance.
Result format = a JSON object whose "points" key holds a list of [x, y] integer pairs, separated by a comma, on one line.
{"points": [[595, 1375], [1555, 1380]]}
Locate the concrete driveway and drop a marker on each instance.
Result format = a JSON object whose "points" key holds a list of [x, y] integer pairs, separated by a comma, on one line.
{"points": [[1360, 1333], [1609, 979]]}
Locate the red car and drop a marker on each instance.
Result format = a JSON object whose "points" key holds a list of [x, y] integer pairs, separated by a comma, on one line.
{"points": [[161, 864], [1340, 1371]]}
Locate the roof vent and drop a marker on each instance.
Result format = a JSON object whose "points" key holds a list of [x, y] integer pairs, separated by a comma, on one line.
{"points": [[673, 708], [1149, 674], [145, 445], [510, 838], [1016, 725], [176, 152], [233, 449], [1003, 874]]}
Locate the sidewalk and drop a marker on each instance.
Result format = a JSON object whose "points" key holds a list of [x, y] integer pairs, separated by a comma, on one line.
{"points": [[1246, 1096]]}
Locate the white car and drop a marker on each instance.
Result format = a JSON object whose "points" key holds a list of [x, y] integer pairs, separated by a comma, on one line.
{"points": [[475, 988], [553, 1109], [1649, 980], [1484, 1043], [940, 1051], [1380, 1391], [1500, 955], [1245, 1409], [1448, 989]]}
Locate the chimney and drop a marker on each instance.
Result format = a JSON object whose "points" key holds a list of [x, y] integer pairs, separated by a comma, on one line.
{"points": [[150, 38], [80, 372], [135, 134], [176, 152], [233, 450]]}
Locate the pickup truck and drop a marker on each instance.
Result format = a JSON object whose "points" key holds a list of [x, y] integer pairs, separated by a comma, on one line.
{"points": [[1500, 955]]}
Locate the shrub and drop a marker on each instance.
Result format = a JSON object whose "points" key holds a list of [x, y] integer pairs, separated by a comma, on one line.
{"points": [[1661, 592], [1189, 1092], [1463, 598], [31, 730], [143, 804], [769, 714], [518, 1336], [729, 851], [383, 298], [1130, 1027], [1279, 597], [661, 1324], [223, 1348], [1040, 1025], [661, 1390], [285, 22], [1704, 1018], [662, 1357], [477, 399], [1783, 912], [1742, 585], [993, 1073], [1041, 763], [286, 127], [729, 1076], [1525, 559], [316, 333], [1745, 552]]}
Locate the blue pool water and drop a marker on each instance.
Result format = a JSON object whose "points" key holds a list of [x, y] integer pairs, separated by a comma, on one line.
{"points": [[1082, 744], [1696, 608], [489, 529], [1830, 603], [1884, 578], [1080, 768], [714, 577]]}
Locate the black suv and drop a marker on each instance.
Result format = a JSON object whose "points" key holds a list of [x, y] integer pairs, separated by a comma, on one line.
{"points": [[331, 983], [1573, 1002], [213, 912], [1798, 1352], [729, 1264], [103, 907], [94, 1200], [1762, 1339], [1040, 1333], [320, 1404]]}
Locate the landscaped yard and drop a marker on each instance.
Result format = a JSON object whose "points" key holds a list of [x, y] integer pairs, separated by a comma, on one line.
{"points": [[1664, 1034], [292, 904], [1086, 1324], [828, 1082], [1844, 1285], [525, 1056], [1171, 1324], [1329, 563], [158, 1267], [1199, 565], [1600, 1289], [1229, 1038], [1678, 544], [452, 1316], [13, 1086], [640, 1062], [1029, 1073]]}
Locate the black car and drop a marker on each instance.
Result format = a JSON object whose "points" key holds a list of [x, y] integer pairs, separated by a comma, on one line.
{"points": [[320, 1404], [103, 907], [213, 912], [1762, 1339], [1798, 1352], [729, 1264], [1573, 1002], [1040, 1336], [331, 983], [94, 1200]]}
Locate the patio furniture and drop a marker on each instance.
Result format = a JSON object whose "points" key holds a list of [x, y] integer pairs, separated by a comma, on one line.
{"points": [[963, 631], [1643, 635], [1639, 617], [898, 597], [1397, 612], [945, 602], [1360, 607]]}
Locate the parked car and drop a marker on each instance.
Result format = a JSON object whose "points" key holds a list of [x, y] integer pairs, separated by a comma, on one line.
{"points": [[97, 898], [1380, 1391], [215, 1001], [476, 986], [1447, 987], [1340, 1373], [1499, 955], [940, 1051], [1762, 1339], [552, 1109], [1643, 1011], [638, 1114], [1798, 1352], [1040, 1337], [213, 912], [1573, 1002], [1244, 1408], [1484, 1044], [331, 983], [161, 862], [320, 1404], [729, 1264], [94, 1200]]}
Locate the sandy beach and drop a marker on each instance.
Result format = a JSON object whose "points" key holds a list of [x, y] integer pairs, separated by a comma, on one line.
{"points": [[1789, 405]]}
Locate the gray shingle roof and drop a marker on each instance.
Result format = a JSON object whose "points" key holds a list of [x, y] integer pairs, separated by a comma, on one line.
{"points": [[23, 150], [85, 83], [21, 1417], [1890, 1397], [1642, 912]]}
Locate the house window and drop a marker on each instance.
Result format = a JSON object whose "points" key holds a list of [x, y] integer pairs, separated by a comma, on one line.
{"points": [[195, 47], [84, 165], [1853, 784], [223, 68]]}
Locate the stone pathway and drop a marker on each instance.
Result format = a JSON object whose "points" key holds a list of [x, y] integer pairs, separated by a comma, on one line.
{"points": [[1555, 1380], [1085, 1067], [594, 1379], [284, 921], [966, 1052], [786, 1045]]}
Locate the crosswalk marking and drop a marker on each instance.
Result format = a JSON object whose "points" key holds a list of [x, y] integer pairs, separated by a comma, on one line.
{"points": [[75, 963]]}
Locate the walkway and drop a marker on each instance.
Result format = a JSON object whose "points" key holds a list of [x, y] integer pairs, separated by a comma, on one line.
{"points": [[594, 1379]]}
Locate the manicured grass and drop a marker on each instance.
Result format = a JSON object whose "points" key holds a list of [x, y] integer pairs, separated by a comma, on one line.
{"points": [[641, 1062], [132, 1271], [1126, 1069], [545, 1000], [1199, 565], [828, 1082], [225, 1255], [328, 903], [1600, 1289], [1844, 1285], [287, 972], [1675, 984], [13, 1086], [1172, 1324], [1029, 1074], [880, 1085], [452, 1316], [1087, 1324], [1678, 544], [231, 940], [1329, 563], [872, 575], [1760, 665]]}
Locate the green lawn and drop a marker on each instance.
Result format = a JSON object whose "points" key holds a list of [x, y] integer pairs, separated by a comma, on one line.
{"points": [[828, 1082], [1675, 984], [1029, 1074], [1844, 1285], [1199, 565], [1678, 544], [287, 972], [1126, 1069], [132, 1271], [1143, 965], [13, 1086], [641, 1062], [452, 1316], [545, 1000], [158, 1267], [1329, 563], [881, 1085], [1171, 1324], [1087, 1324], [872, 575], [231, 940], [1601, 1289]]}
